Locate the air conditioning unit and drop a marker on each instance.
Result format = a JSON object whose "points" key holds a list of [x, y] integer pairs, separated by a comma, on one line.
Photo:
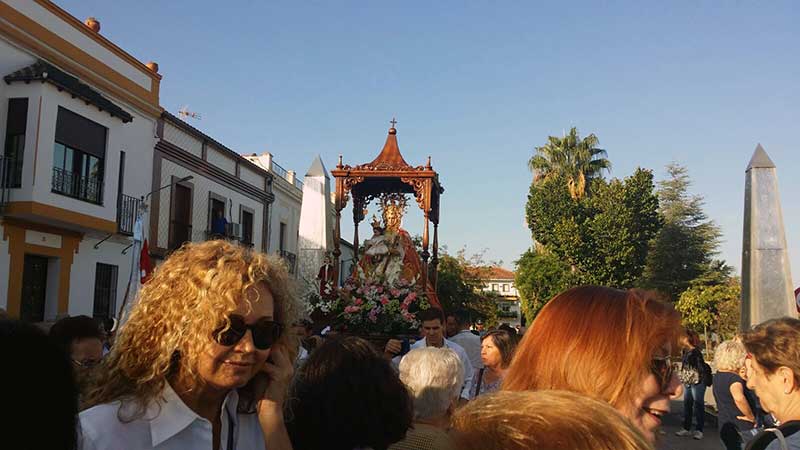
{"points": [[234, 231]]}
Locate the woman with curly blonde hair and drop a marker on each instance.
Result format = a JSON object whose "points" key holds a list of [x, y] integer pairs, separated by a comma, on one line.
{"points": [[201, 361]]}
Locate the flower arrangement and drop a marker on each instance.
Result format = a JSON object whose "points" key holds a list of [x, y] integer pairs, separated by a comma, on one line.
{"points": [[373, 307]]}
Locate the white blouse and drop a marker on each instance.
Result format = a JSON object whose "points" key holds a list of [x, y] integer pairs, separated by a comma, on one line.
{"points": [[168, 424]]}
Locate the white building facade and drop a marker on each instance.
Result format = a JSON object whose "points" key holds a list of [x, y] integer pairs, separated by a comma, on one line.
{"points": [[501, 282], [284, 220], [78, 115], [205, 182]]}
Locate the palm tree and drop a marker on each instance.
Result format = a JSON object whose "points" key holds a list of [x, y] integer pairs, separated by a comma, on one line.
{"points": [[577, 160]]}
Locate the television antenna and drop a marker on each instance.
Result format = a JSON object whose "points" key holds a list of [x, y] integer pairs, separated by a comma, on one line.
{"points": [[185, 113]]}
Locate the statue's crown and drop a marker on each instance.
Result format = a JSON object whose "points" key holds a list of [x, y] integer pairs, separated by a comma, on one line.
{"points": [[393, 206]]}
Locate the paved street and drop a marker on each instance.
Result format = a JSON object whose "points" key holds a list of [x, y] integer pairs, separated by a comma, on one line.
{"points": [[672, 423]]}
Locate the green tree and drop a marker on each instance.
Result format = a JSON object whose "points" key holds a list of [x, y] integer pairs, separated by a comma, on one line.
{"points": [[460, 287], [604, 237], [577, 160], [684, 248], [539, 277], [711, 308]]}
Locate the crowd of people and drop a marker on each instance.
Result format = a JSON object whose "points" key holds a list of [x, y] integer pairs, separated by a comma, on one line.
{"points": [[214, 355]]}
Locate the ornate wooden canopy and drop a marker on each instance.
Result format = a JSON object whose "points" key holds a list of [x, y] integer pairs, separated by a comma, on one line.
{"points": [[389, 173]]}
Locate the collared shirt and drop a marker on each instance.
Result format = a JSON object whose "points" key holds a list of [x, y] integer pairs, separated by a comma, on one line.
{"points": [[462, 355], [168, 424], [472, 345]]}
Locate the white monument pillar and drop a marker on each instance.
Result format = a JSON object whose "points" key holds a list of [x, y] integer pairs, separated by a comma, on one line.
{"points": [[316, 226], [766, 277]]}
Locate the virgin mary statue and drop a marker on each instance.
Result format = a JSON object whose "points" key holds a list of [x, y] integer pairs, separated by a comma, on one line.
{"points": [[390, 256]]}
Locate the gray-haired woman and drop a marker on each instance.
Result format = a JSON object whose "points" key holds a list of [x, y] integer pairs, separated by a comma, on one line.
{"points": [[434, 377], [736, 405]]}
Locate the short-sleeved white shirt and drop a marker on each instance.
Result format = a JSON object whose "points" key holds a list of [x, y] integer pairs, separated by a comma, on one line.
{"points": [[168, 424]]}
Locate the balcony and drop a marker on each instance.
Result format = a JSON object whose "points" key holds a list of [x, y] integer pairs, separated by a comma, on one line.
{"points": [[126, 214], [290, 259], [88, 189], [10, 177]]}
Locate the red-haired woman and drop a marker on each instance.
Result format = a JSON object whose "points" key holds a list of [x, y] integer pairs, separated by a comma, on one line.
{"points": [[605, 343]]}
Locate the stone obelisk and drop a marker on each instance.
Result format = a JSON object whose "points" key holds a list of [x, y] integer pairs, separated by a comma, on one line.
{"points": [[766, 277], [316, 222]]}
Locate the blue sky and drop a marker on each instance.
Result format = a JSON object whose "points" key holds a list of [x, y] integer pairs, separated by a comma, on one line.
{"points": [[477, 85]]}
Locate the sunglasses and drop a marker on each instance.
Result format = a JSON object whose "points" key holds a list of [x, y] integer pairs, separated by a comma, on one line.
{"points": [[265, 332], [661, 367], [87, 363]]}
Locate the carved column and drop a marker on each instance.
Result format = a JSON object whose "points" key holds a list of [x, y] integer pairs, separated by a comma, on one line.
{"points": [[435, 259], [358, 216], [337, 230]]}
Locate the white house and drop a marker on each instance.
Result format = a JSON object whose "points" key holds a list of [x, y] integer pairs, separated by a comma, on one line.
{"points": [[501, 282], [284, 221], [205, 181], [79, 115]]}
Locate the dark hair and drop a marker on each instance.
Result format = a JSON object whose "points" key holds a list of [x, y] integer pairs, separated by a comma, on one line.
{"points": [[461, 316], [504, 342], [431, 313], [40, 386], [507, 328], [347, 396], [69, 329]]}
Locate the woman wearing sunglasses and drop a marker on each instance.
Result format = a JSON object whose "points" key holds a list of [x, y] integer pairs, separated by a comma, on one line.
{"points": [[201, 361], [605, 343]]}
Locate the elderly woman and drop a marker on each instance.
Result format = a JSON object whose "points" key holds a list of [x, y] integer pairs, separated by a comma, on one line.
{"points": [[604, 343], [347, 396], [543, 420], [497, 349], [202, 344], [736, 418], [434, 377], [773, 372]]}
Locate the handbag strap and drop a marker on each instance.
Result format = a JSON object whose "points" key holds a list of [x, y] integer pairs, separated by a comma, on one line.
{"points": [[480, 380], [780, 436]]}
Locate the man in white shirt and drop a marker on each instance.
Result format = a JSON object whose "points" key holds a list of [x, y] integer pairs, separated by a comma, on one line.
{"points": [[433, 335], [459, 322]]}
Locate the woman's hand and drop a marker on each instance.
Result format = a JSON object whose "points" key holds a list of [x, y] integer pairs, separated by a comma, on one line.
{"points": [[279, 369], [270, 408]]}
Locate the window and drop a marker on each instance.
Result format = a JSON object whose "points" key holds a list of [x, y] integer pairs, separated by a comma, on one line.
{"points": [[282, 237], [105, 290], [79, 157], [505, 287], [495, 287], [247, 227], [16, 123]]}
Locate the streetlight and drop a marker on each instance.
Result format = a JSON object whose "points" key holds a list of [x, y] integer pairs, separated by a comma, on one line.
{"points": [[182, 180]]}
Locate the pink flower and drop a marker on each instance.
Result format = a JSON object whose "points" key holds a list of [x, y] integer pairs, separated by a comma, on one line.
{"points": [[380, 289], [358, 301], [395, 293], [384, 300], [351, 309], [412, 296]]}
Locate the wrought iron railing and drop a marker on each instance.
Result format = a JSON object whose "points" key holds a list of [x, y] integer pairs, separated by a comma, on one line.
{"points": [[290, 258], [126, 213], [298, 184], [280, 171], [10, 177], [10, 172], [74, 185]]}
